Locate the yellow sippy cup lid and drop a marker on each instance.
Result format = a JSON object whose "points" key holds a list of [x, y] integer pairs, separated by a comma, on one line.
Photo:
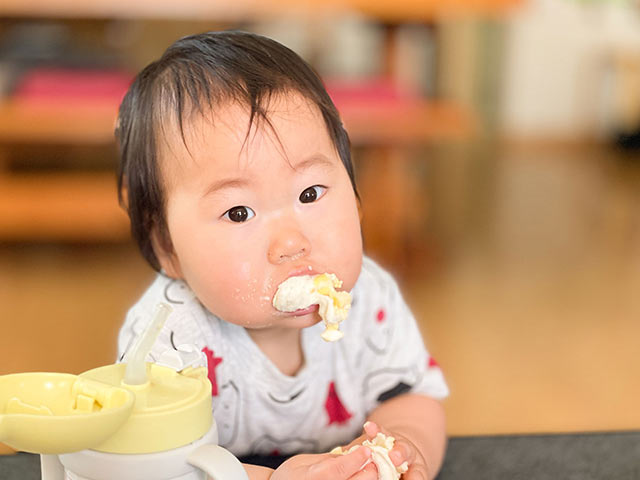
{"points": [[171, 409], [49, 413], [136, 407]]}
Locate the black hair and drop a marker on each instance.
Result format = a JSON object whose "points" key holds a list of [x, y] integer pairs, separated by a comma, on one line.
{"points": [[197, 73]]}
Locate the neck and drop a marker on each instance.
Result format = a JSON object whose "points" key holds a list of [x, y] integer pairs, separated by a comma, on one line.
{"points": [[283, 346]]}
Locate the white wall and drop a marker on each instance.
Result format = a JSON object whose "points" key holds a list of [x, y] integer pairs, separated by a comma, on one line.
{"points": [[558, 65]]}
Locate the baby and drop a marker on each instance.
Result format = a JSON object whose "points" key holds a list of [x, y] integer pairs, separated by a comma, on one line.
{"points": [[236, 173]]}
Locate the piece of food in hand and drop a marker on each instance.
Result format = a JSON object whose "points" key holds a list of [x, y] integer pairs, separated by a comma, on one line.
{"points": [[302, 291], [380, 447]]}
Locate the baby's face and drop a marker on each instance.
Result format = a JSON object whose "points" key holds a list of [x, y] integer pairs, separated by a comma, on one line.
{"points": [[244, 214]]}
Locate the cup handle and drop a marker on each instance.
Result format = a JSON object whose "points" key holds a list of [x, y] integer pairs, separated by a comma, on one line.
{"points": [[217, 462], [51, 468]]}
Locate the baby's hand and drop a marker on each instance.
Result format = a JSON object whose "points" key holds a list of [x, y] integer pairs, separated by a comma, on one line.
{"points": [[324, 466], [403, 450]]}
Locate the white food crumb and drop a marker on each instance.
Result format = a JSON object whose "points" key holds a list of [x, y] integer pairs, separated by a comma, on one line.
{"points": [[302, 291], [380, 447]]}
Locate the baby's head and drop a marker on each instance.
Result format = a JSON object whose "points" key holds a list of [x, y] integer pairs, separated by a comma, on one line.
{"points": [[236, 174]]}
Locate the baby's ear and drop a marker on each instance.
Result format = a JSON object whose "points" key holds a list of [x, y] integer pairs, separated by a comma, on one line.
{"points": [[163, 248]]}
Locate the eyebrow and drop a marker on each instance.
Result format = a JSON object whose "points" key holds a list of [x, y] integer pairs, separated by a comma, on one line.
{"points": [[241, 182], [225, 183], [314, 160]]}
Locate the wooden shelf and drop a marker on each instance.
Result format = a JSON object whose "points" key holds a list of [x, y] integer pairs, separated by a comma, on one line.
{"points": [[138, 9], [83, 206], [416, 10], [249, 9], [405, 124], [78, 123], [70, 207], [368, 123]]}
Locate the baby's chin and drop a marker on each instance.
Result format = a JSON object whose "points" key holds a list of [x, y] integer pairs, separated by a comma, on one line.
{"points": [[298, 320], [305, 321]]}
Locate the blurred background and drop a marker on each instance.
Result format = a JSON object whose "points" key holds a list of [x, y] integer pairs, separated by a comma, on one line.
{"points": [[497, 151]]}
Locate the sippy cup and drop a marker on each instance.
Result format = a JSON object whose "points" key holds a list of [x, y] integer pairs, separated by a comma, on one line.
{"points": [[128, 421]]}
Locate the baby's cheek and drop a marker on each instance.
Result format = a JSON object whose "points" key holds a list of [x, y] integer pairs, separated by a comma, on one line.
{"points": [[343, 251], [264, 302], [245, 293], [251, 298], [350, 262]]}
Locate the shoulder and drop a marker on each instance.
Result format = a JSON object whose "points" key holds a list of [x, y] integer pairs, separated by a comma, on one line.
{"points": [[166, 290], [163, 289], [376, 301]]}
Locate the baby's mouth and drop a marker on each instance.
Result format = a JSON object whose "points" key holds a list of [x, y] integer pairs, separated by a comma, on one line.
{"points": [[320, 290], [306, 311]]}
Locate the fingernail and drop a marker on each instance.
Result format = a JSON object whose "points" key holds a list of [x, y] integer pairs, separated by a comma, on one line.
{"points": [[366, 424], [371, 468]]}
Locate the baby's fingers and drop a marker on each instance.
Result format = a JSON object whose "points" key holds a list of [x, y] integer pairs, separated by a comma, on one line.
{"points": [[415, 474], [370, 472], [371, 429], [403, 452], [341, 467]]}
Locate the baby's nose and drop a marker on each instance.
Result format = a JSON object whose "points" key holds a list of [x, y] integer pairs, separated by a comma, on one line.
{"points": [[288, 244]]}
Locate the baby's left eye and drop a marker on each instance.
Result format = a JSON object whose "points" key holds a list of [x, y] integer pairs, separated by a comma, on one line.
{"points": [[312, 194]]}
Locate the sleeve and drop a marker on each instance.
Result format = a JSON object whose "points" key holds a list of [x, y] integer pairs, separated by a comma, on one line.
{"points": [[394, 355]]}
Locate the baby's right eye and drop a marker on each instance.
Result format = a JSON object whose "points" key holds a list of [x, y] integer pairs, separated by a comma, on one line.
{"points": [[239, 214]]}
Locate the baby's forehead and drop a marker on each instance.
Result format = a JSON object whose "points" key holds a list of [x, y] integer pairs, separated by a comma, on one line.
{"points": [[287, 123], [235, 118], [281, 116]]}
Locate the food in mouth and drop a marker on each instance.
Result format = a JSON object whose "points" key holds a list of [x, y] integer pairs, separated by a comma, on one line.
{"points": [[302, 291]]}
